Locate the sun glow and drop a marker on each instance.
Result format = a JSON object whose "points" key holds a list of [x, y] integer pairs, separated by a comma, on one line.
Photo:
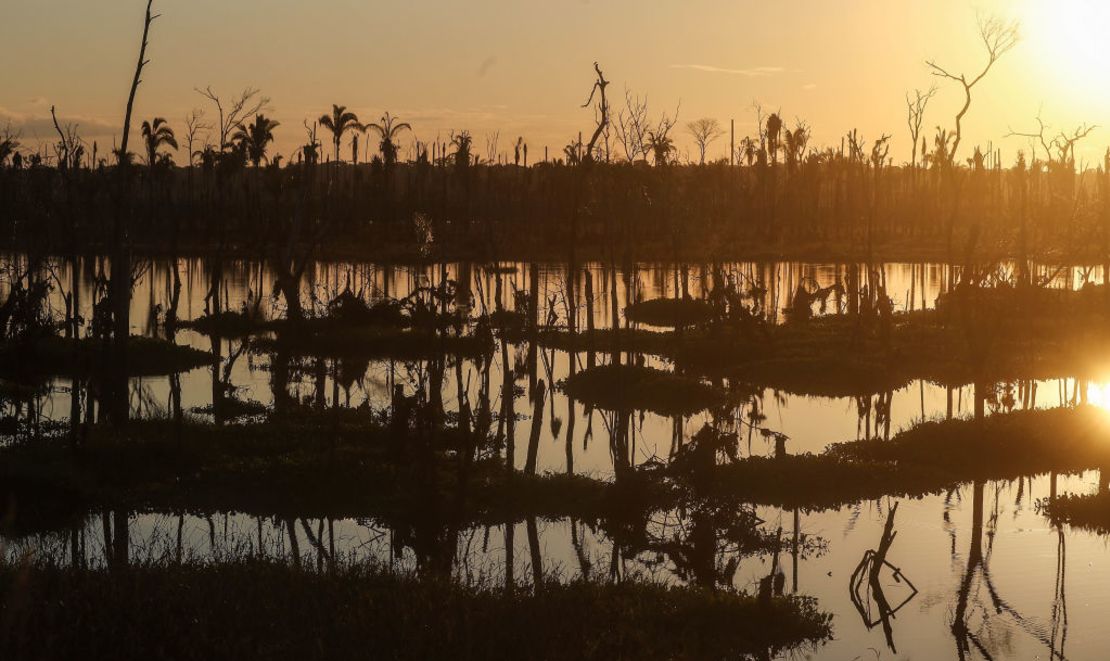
{"points": [[1068, 39]]}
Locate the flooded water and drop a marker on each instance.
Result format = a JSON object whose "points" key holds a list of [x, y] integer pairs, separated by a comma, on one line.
{"points": [[1029, 591], [978, 572]]}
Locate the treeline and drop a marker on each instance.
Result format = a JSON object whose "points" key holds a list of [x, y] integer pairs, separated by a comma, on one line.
{"points": [[847, 200]]}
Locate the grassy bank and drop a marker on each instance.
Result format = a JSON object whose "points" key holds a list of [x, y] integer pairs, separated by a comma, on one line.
{"points": [[261, 609], [928, 458], [89, 357], [350, 470], [1089, 511]]}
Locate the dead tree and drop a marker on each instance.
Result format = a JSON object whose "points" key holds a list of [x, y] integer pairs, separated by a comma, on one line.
{"points": [[1035, 138], [704, 131], [150, 18], [194, 125], [602, 111], [69, 144], [121, 282], [915, 116], [865, 586], [632, 127], [248, 103], [1065, 144], [999, 38]]}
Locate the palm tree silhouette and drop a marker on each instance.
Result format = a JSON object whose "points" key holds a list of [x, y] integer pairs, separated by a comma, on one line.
{"points": [[256, 137], [339, 122], [389, 129], [157, 134]]}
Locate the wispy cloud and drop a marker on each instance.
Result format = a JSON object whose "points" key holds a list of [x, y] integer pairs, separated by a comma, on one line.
{"points": [[809, 86], [752, 72], [39, 125]]}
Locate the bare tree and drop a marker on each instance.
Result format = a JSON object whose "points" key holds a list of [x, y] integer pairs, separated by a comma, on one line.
{"points": [[150, 18], [70, 147], [491, 146], [194, 124], [632, 127], [704, 131], [249, 102], [602, 110], [999, 38], [1063, 144], [915, 116]]}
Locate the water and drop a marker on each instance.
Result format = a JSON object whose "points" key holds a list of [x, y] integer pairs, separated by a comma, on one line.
{"points": [[1038, 587], [1016, 603]]}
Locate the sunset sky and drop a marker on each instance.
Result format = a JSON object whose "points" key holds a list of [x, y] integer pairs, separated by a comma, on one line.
{"points": [[524, 67]]}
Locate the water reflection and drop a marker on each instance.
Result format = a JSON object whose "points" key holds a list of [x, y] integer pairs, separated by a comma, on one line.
{"points": [[1002, 591], [976, 554]]}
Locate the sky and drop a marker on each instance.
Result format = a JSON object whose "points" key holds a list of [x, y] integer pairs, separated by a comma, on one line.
{"points": [[525, 67]]}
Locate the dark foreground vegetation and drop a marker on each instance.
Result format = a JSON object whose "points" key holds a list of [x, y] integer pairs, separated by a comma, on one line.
{"points": [[262, 609]]}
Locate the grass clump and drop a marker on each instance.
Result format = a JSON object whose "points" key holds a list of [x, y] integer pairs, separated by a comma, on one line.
{"points": [[671, 312], [262, 609], [229, 324], [302, 465], [633, 387], [925, 459], [89, 357], [1060, 439], [1089, 511], [369, 343]]}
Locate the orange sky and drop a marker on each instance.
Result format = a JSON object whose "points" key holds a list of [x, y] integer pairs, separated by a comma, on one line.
{"points": [[524, 66]]}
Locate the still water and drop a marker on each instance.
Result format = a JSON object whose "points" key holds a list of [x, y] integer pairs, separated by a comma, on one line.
{"points": [[1007, 595]]}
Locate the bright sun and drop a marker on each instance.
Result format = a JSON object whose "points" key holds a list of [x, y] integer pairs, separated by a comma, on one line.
{"points": [[1098, 395], [1069, 39]]}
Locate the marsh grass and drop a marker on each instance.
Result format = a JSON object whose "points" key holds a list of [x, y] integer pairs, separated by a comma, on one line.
{"points": [[928, 458], [348, 467], [1089, 511], [368, 343], [670, 312], [632, 387], [57, 356], [253, 608]]}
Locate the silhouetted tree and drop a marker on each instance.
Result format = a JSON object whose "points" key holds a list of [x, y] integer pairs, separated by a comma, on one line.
{"points": [[463, 143], [915, 115], [773, 132], [999, 38], [598, 89], [157, 134], [339, 122], [388, 129], [255, 138], [632, 127], [249, 102], [704, 131]]}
